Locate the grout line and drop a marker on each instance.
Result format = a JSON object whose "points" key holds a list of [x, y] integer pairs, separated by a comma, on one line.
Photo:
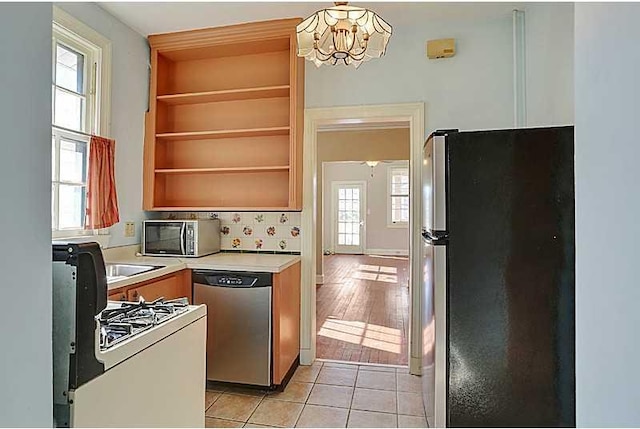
{"points": [[353, 393], [254, 410]]}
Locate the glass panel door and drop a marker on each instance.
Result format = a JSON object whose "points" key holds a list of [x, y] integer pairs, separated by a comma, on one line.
{"points": [[349, 217]]}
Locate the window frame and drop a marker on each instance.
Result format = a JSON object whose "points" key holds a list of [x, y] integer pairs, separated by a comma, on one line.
{"points": [[96, 49], [390, 173]]}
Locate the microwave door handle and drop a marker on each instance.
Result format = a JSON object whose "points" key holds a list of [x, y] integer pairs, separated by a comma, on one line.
{"points": [[183, 238]]}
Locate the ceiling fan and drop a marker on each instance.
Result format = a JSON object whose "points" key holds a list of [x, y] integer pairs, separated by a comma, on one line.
{"points": [[373, 164]]}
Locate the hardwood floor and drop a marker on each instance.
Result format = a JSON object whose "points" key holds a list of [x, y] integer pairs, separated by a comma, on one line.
{"points": [[362, 312]]}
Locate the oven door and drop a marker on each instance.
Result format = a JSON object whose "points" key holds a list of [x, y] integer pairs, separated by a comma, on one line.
{"points": [[164, 238]]}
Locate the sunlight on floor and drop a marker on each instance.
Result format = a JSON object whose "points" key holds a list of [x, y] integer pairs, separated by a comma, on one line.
{"points": [[366, 334], [376, 273]]}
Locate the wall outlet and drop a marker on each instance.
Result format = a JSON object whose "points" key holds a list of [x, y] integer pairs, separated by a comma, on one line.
{"points": [[129, 229]]}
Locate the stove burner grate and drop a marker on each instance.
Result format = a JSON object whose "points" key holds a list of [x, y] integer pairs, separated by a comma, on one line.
{"points": [[130, 319]]}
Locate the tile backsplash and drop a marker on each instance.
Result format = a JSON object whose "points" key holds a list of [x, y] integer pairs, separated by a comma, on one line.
{"points": [[253, 231]]}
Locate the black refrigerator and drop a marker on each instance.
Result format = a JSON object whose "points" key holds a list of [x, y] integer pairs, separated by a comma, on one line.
{"points": [[499, 278]]}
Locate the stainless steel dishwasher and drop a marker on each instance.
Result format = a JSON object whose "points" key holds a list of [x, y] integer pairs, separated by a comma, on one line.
{"points": [[238, 325]]}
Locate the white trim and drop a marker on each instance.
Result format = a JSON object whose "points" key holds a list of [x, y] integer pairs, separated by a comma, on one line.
{"points": [[320, 279], [519, 69], [363, 217], [313, 120], [386, 252], [73, 25], [365, 127], [390, 168]]}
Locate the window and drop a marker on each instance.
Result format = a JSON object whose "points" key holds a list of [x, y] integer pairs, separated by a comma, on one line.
{"points": [[398, 203], [79, 108]]}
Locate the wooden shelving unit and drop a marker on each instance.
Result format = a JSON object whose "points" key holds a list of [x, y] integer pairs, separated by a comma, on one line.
{"points": [[221, 170], [226, 95], [220, 134], [224, 127]]}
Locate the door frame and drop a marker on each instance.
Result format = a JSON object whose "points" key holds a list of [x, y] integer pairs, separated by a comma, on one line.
{"points": [[363, 202], [319, 118]]}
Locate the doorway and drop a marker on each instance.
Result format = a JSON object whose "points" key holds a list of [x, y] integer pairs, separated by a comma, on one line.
{"points": [[348, 216], [315, 120], [362, 298]]}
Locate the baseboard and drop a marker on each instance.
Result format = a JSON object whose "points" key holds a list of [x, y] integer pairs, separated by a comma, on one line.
{"points": [[320, 279], [387, 252], [415, 366], [306, 357]]}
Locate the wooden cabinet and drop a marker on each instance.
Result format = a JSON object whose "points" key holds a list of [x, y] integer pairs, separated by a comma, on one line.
{"points": [[286, 321], [225, 121], [117, 295], [171, 286]]}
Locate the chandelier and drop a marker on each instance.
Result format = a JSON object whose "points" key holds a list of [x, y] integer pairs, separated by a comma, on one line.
{"points": [[346, 34]]}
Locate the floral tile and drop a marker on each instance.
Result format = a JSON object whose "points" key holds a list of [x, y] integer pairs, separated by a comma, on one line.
{"points": [[282, 244], [259, 243], [295, 218], [252, 231], [294, 245], [271, 231]]}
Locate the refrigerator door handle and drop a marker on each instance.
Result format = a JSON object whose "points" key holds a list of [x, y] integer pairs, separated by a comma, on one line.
{"points": [[437, 239]]}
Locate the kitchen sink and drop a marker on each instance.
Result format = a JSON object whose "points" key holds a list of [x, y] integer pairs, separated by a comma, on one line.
{"points": [[118, 271]]}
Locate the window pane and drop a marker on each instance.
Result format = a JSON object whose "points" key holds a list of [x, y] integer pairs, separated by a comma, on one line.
{"points": [[72, 161], [341, 194], [399, 209], [356, 239], [71, 206], [69, 69], [68, 110], [400, 181], [341, 239]]}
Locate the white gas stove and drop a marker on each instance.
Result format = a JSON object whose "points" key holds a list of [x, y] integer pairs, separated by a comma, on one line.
{"points": [[122, 364], [126, 328]]}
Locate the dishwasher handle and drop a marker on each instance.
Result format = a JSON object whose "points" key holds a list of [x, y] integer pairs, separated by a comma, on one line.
{"points": [[232, 279]]}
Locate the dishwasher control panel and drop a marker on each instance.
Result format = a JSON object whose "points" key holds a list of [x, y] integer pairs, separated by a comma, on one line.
{"points": [[232, 279]]}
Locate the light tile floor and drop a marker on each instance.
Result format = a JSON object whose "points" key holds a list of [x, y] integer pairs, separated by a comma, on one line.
{"points": [[324, 395]]}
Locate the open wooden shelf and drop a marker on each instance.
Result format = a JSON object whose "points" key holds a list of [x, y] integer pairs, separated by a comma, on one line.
{"points": [[221, 134], [221, 170], [183, 206], [226, 95], [225, 122]]}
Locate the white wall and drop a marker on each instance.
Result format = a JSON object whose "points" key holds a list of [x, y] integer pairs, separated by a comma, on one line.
{"points": [[607, 88], [129, 100], [378, 235], [474, 89], [549, 63], [25, 193]]}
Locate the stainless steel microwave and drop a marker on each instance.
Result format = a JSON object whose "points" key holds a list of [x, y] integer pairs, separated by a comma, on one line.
{"points": [[187, 238]]}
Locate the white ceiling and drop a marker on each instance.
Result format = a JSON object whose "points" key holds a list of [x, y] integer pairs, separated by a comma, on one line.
{"points": [[152, 17]]}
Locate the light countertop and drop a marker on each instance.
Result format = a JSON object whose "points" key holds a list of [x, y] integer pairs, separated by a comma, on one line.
{"points": [[256, 262]]}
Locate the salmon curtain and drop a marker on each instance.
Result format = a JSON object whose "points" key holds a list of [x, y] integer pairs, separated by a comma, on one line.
{"points": [[102, 200]]}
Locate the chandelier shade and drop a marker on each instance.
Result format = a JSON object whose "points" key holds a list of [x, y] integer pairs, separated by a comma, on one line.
{"points": [[343, 34]]}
